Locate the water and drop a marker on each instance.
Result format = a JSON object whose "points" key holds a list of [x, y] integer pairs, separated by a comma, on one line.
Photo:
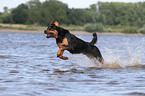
{"points": [[29, 67]]}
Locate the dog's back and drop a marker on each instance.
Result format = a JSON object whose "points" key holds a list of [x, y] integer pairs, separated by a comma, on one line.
{"points": [[87, 48]]}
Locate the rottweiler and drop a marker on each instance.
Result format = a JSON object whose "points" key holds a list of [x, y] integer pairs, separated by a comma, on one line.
{"points": [[67, 41]]}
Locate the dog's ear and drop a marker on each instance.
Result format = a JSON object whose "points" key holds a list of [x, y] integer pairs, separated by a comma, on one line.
{"points": [[56, 23]]}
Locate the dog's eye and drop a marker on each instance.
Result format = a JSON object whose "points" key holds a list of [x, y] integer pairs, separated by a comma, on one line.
{"points": [[50, 29]]}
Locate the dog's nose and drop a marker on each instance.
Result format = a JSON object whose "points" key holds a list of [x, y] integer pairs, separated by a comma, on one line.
{"points": [[45, 31]]}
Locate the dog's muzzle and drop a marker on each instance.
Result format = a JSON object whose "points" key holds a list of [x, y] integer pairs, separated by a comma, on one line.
{"points": [[49, 34], [45, 31]]}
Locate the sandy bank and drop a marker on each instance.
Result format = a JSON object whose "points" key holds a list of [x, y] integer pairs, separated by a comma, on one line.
{"points": [[73, 32]]}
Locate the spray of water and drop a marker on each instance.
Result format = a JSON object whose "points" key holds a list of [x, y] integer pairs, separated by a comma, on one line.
{"points": [[131, 58], [115, 61]]}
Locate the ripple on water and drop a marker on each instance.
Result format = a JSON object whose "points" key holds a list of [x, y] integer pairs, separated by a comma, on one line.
{"points": [[3, 88], [5, 56], [14, 71], [53, 89], [136, 94], [68, 71], [113, 83]]}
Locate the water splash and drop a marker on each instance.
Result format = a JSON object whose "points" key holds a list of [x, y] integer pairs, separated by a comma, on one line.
{"points": [[85, 62], [115, 61], [129, 56], [133, 54]]}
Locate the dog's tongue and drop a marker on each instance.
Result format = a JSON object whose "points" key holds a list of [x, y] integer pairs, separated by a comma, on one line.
{"points": [[48, 35]]}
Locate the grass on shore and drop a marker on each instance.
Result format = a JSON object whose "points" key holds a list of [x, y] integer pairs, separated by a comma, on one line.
{"points": [[21, 27], [69, 27], [38, 28]]}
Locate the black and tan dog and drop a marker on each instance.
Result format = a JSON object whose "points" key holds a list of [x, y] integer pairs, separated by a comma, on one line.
{"points": [[67, 41]]}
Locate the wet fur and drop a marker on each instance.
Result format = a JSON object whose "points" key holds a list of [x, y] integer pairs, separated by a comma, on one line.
{"points": [[75, 45]]}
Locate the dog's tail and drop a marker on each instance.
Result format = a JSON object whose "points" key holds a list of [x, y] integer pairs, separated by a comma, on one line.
{"points": [[94, 40]]}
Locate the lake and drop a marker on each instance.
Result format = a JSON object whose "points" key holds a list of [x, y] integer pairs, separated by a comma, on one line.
{"points": [[29, 67]]}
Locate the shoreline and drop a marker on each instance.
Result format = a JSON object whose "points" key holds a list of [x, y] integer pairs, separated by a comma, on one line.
{"points": [[73, 32]]}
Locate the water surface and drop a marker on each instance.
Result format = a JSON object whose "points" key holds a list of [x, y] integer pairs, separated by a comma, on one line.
{"points": [[29, 67]]}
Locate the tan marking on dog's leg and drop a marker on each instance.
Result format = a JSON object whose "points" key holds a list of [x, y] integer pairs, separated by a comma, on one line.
{"points": [[64, 42], [60, 53]]}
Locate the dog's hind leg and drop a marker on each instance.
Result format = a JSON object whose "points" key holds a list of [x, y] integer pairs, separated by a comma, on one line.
{"points": [[94, 40], [93, 51]]}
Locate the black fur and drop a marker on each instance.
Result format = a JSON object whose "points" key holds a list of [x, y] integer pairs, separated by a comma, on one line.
{"points": [[77, 45]]}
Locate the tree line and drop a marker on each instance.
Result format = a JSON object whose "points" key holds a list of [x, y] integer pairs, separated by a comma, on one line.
{"points": [[107, 13]]}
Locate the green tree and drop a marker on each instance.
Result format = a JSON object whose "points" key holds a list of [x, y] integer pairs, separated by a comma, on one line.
{"points": [[6, 17], [20, 14], [5, 9], [76, 16], [34, 15], [1, 17], [49, 11], [126, 14], [54, 10], [108, 13], [33, 3]]}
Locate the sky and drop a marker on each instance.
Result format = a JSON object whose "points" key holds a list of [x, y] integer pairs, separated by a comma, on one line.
{"points": [[71, 3]]}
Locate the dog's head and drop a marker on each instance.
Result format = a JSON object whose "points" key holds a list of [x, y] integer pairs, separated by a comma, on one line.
{"points": [[52, 30]]}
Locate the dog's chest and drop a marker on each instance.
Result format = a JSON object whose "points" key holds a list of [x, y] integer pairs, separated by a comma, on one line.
{"points": [[64, 42]]}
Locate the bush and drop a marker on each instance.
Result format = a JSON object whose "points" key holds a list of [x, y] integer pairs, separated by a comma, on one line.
{"points": [[8, 19], [142, 30], [130, 30], [94, 27], [108, 30]]}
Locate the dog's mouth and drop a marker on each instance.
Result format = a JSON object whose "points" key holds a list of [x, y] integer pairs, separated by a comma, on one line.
{"points": [[49, 35]]}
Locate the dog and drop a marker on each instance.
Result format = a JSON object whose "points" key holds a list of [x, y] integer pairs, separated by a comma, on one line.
{"points": [[67, 41]]}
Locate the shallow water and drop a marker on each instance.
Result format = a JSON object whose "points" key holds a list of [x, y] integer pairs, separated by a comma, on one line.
{"points": [[29, 67]]}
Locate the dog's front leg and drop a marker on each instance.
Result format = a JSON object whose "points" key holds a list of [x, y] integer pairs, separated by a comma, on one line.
{"points": [[60, 52]]}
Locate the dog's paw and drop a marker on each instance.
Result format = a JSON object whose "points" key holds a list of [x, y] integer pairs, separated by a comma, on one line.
{"points": [[58, 55], [62, 57], [65, 58]]}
